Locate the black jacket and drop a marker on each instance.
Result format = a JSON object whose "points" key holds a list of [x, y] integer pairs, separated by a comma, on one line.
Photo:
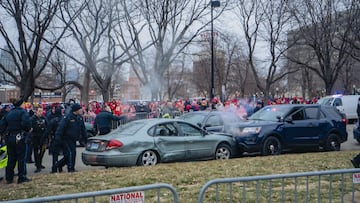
{"points": [[39, 125], [16, 121], [104, 120], [71, 127]]}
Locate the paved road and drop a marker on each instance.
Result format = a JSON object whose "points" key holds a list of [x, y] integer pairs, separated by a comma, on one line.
{"points": [[351, 144]]}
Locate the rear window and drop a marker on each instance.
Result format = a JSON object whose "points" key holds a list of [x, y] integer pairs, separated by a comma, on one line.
{"points": [[131, 128], [332, 112], [326, 101]]}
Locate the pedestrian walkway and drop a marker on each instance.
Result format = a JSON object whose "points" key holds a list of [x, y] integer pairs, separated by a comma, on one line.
{"points": [[47, 162]]}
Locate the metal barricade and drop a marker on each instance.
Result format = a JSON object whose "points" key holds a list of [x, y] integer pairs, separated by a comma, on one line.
{"points": [[98, 196], [322, 186]]}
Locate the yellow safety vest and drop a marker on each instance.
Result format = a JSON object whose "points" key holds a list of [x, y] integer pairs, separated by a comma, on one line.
{"points": [[3, 157]]}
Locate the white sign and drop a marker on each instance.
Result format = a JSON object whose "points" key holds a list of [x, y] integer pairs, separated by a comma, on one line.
{"points": [[130, 197], [356, 178]]}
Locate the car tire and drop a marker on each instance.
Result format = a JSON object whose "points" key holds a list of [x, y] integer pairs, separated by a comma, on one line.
{"points": [[358, 139], [148, 158], [271, 146], [332, 143], [222, 151]]}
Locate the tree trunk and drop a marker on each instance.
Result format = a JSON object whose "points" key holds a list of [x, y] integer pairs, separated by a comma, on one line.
{"points": [[27, 86], [105, 94], [86, 87]]}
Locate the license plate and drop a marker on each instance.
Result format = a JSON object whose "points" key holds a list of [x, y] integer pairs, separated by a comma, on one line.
{"points": [[91, 158], [94, 146]]}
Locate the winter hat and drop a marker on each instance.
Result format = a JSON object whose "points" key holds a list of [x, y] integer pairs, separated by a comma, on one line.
{"points": [[75, 107]]}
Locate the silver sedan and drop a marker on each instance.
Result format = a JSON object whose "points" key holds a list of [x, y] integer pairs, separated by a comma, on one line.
{"points": [[151, 141]]}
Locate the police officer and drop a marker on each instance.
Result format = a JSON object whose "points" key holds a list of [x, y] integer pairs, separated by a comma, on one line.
{"points": [[55, 150], [38, 137], [71, 129], [16, 123], [103, 121]]}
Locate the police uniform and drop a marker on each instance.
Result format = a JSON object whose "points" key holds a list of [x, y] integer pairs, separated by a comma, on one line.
{"points": [[55, 150], [103, 121], [15, 124], [38, 138], [71, 129]]}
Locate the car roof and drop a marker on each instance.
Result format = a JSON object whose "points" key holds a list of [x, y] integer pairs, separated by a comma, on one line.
{"points": [[297, 105], [153, 121], [209, 112]]}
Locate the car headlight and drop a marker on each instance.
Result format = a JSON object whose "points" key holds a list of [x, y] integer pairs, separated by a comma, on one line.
{"points": [[252, 130]]}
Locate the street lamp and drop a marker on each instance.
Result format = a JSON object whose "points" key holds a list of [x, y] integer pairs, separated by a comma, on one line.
{"points": [[212, 89]]}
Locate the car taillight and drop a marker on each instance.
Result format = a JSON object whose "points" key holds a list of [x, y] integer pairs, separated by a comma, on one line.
{"points": [[344, 121], [114, 144]]}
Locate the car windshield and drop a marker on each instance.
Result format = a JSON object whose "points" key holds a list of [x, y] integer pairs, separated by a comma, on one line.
{"points": [[230, 117], [130, 128], [270, 113]]}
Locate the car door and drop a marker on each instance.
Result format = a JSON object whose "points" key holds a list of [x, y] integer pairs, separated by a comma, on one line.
{"points": [[197, 145], [169, 142], [303, 128]]}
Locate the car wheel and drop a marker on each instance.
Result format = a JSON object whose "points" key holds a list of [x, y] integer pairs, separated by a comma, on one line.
{"points": [[358, 139], [332, 143], [148, 158], [271, 146], [222, 152]]}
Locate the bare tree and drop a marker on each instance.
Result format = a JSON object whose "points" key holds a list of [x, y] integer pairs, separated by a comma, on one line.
{"points": [[172, 25], [266, 20], [353, 18], [31, 32], [201, 70], [237, 77], [322, 26], [174, 78], [95, 31], [56, 79], [231, 70]]}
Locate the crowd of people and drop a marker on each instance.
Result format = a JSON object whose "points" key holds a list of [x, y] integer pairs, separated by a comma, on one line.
{"points": [[155, 109]]}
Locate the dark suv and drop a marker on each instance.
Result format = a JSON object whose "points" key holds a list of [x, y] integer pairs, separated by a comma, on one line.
{"points": [[276, 128]]}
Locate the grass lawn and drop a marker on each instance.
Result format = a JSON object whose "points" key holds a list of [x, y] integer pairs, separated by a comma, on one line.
{"points": [[187, 177]]}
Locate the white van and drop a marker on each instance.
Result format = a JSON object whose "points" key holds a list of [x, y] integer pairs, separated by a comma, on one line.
{"points": [[346, 104]]}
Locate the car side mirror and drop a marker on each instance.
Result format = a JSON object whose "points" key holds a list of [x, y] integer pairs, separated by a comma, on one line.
{"points": [[279, 118], [288, 119]]}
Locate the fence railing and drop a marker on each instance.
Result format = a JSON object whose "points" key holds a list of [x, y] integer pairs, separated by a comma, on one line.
{"points": [[118, 195], [321, 186]]}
